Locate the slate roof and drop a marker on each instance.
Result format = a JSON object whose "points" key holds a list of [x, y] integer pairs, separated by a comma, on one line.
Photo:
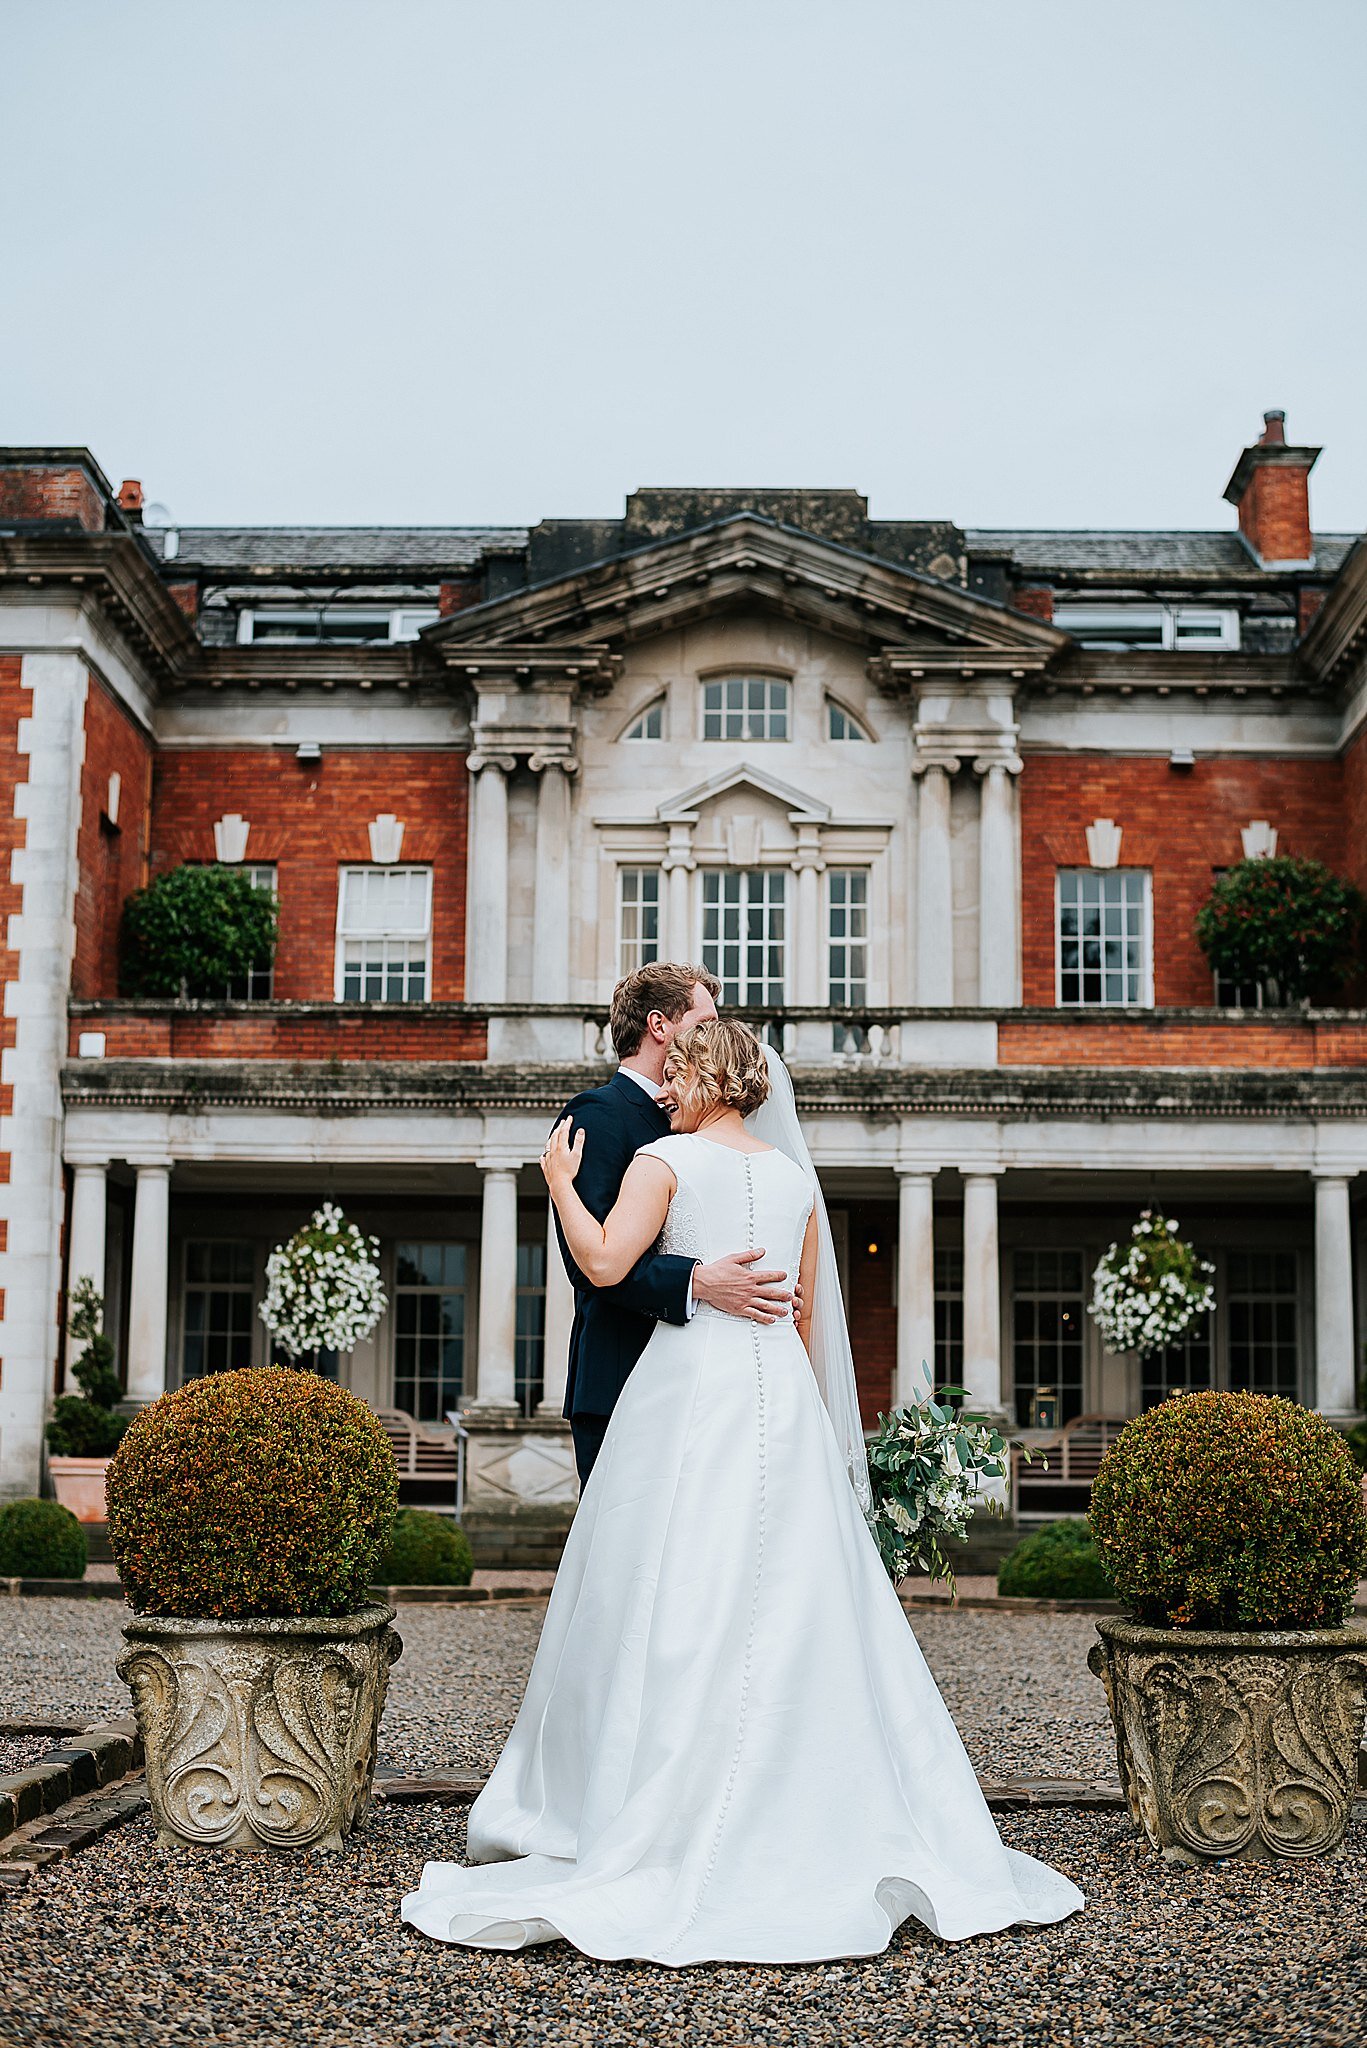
{"points": [[325, 548], [1142, 554]]}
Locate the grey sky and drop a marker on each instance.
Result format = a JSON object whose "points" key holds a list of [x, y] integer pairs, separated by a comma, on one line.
{"points": [[1013, 262]]}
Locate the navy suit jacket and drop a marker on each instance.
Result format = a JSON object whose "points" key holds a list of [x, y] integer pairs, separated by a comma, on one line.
{"points": [[613, 1325]]}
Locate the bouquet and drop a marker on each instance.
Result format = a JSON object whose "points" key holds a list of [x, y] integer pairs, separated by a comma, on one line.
{"points": [[931, 1466], [1146, 1295], [323, 1287]]}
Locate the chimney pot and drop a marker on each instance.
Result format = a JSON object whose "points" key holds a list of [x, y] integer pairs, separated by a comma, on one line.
{"points": [[1274, 430], [130, 496]]}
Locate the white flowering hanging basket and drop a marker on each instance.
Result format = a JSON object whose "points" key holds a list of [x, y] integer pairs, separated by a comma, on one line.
{"points": [[323, 1289], [1146, 1293]]}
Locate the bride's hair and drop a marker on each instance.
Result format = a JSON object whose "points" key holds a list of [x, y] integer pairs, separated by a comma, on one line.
{"points": [[722, 1063]]}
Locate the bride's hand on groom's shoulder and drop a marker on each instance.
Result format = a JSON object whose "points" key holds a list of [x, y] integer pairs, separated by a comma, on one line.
{"points": [[561, 1160]]}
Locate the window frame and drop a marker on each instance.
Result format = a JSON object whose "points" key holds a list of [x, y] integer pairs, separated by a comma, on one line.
{"points": [[642, 871], [345, 870], [464, 1288], [769, 875], [394, 618], [250, 1288], [656, 708], [858, 735], [1169, 618], [1144, 1001], [771, 680], [248, 993]]}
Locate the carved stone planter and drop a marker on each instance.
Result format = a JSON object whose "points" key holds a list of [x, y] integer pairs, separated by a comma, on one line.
{"points": [[1236, 1745], [260, 1734]]}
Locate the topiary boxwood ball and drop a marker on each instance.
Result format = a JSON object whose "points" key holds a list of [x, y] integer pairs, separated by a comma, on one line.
{"points": [[1058, 1562], [262, 1492], [40, 1539], [1231, 1511], [427, 1550]]}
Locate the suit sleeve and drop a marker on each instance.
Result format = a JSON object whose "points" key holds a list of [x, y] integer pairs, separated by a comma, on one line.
{"points": [[657, 1284]]}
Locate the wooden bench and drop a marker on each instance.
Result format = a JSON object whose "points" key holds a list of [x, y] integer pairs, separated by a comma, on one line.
{"points": [[1074, 1456], [428, 1457]]}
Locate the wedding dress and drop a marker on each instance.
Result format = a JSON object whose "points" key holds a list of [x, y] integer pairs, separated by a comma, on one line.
{"points": [[730, 1748]]}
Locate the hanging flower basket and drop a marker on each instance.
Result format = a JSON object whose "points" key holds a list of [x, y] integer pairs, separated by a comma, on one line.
{"points": [[1146, 1293], [323, 1287]]}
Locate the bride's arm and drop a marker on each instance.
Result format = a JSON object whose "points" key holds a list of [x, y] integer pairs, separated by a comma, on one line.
{"points": [[606, 1252], [807, 1275]]}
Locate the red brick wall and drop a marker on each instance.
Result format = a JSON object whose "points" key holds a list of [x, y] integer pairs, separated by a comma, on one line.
{"points": [[1355, 809], [872, 1316], [390, 1032], [1180, 824], [14, 704], [51, 494], [111, 861], [1274, 512], [1162, 1042], [312, 820], [1036, 600]]}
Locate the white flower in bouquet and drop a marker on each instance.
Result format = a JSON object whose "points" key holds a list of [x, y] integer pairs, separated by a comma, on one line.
{"points": [[323, 1287]]}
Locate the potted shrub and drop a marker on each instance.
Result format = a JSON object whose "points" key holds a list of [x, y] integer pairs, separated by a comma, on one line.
{"points": [[84, 1430], [247, 1515], [1288, 924], [194, 930], [1233, 1528], [40, 1539]]}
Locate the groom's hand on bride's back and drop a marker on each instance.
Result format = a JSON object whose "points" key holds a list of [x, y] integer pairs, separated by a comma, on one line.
{"points": [[739, 1286]]}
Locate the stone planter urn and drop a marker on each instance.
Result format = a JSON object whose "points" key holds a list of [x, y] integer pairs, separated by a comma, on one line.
{"points": [[1237, 1745], [79, 1485], [260, 1734]]}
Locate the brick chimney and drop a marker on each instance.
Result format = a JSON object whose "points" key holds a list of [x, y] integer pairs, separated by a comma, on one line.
{"points": [[130, 498], [1271, 488]]}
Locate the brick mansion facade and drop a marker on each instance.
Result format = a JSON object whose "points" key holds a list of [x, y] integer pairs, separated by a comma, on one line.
{"points": [[938, 806]]}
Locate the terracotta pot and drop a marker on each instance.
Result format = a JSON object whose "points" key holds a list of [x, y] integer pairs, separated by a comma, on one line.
{"points": [[1240, 1744], [260, 1734], [79, 1485]]}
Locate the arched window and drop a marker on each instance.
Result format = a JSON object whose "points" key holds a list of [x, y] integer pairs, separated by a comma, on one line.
{"points": [[651, 723], [841, 724]]}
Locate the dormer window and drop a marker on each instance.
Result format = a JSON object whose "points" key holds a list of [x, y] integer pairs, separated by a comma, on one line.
{"points": [[332, 625], [1185, 628], [842, 724], [650, 725], [745, 708]]}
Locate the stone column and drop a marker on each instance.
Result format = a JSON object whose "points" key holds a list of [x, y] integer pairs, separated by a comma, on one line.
{"points": [[148, 1286], [559, 1322], [85, 1257], [998, 884], [982, 1295], [679, 943], [934, 898], [808, 940], [495, 1369], [1335, 1363], [486, 945], [551, 908], [915, 1285]]}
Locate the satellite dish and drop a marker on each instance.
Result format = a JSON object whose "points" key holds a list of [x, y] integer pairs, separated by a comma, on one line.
{"points": [[157, 515]]}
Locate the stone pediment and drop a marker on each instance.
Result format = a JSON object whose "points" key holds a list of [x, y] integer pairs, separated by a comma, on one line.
{"points": [[799, 808], [899, 617]]}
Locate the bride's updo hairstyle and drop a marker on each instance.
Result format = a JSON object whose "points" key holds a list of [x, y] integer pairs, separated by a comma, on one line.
{"points": [[717, 1065]]}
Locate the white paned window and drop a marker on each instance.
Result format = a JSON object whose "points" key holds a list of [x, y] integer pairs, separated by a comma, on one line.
{"points": [[744, 936], [745, 708], [217, 1327], [839, 723], [1187, 626], [638, 918], [650, 725], [258, 984], [1104, 936], [337, 625], [848, 934], [384, 935]]}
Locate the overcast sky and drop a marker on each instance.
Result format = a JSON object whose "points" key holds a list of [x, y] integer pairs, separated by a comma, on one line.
{"points": [[1011, 262]]}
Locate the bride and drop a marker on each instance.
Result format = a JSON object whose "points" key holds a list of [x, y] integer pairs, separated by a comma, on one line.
{"points": [[730, 1747]]}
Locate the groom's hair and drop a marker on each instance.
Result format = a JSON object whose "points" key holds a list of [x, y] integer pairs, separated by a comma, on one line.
{"points": [[664, 985]]}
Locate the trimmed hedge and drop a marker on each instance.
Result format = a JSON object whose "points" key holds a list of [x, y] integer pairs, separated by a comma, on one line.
{"points": [[40, 1539], [261, 1492], [194, 930], [427, 1550], [1231, 1511], [1058, 1562]]}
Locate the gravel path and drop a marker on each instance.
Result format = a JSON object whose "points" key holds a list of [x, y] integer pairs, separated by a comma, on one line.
{"points": [[1017, 1684], [132, 1946], [21, 1752]]}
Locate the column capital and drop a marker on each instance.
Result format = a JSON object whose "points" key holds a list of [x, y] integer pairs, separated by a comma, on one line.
{"points": [[87, 1162], [981, 1172], [917, 1169], [506, 1163], [477, 762], [148, 1162], [927, 758], [545, 758], [1328, 1174], [1009, 764]]}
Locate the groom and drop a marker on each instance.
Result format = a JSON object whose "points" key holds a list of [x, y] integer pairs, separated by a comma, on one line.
{"points": [[612, 1325]]}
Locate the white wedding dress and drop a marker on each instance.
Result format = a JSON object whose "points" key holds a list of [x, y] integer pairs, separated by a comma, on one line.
{"points": [[730, 1747]]}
